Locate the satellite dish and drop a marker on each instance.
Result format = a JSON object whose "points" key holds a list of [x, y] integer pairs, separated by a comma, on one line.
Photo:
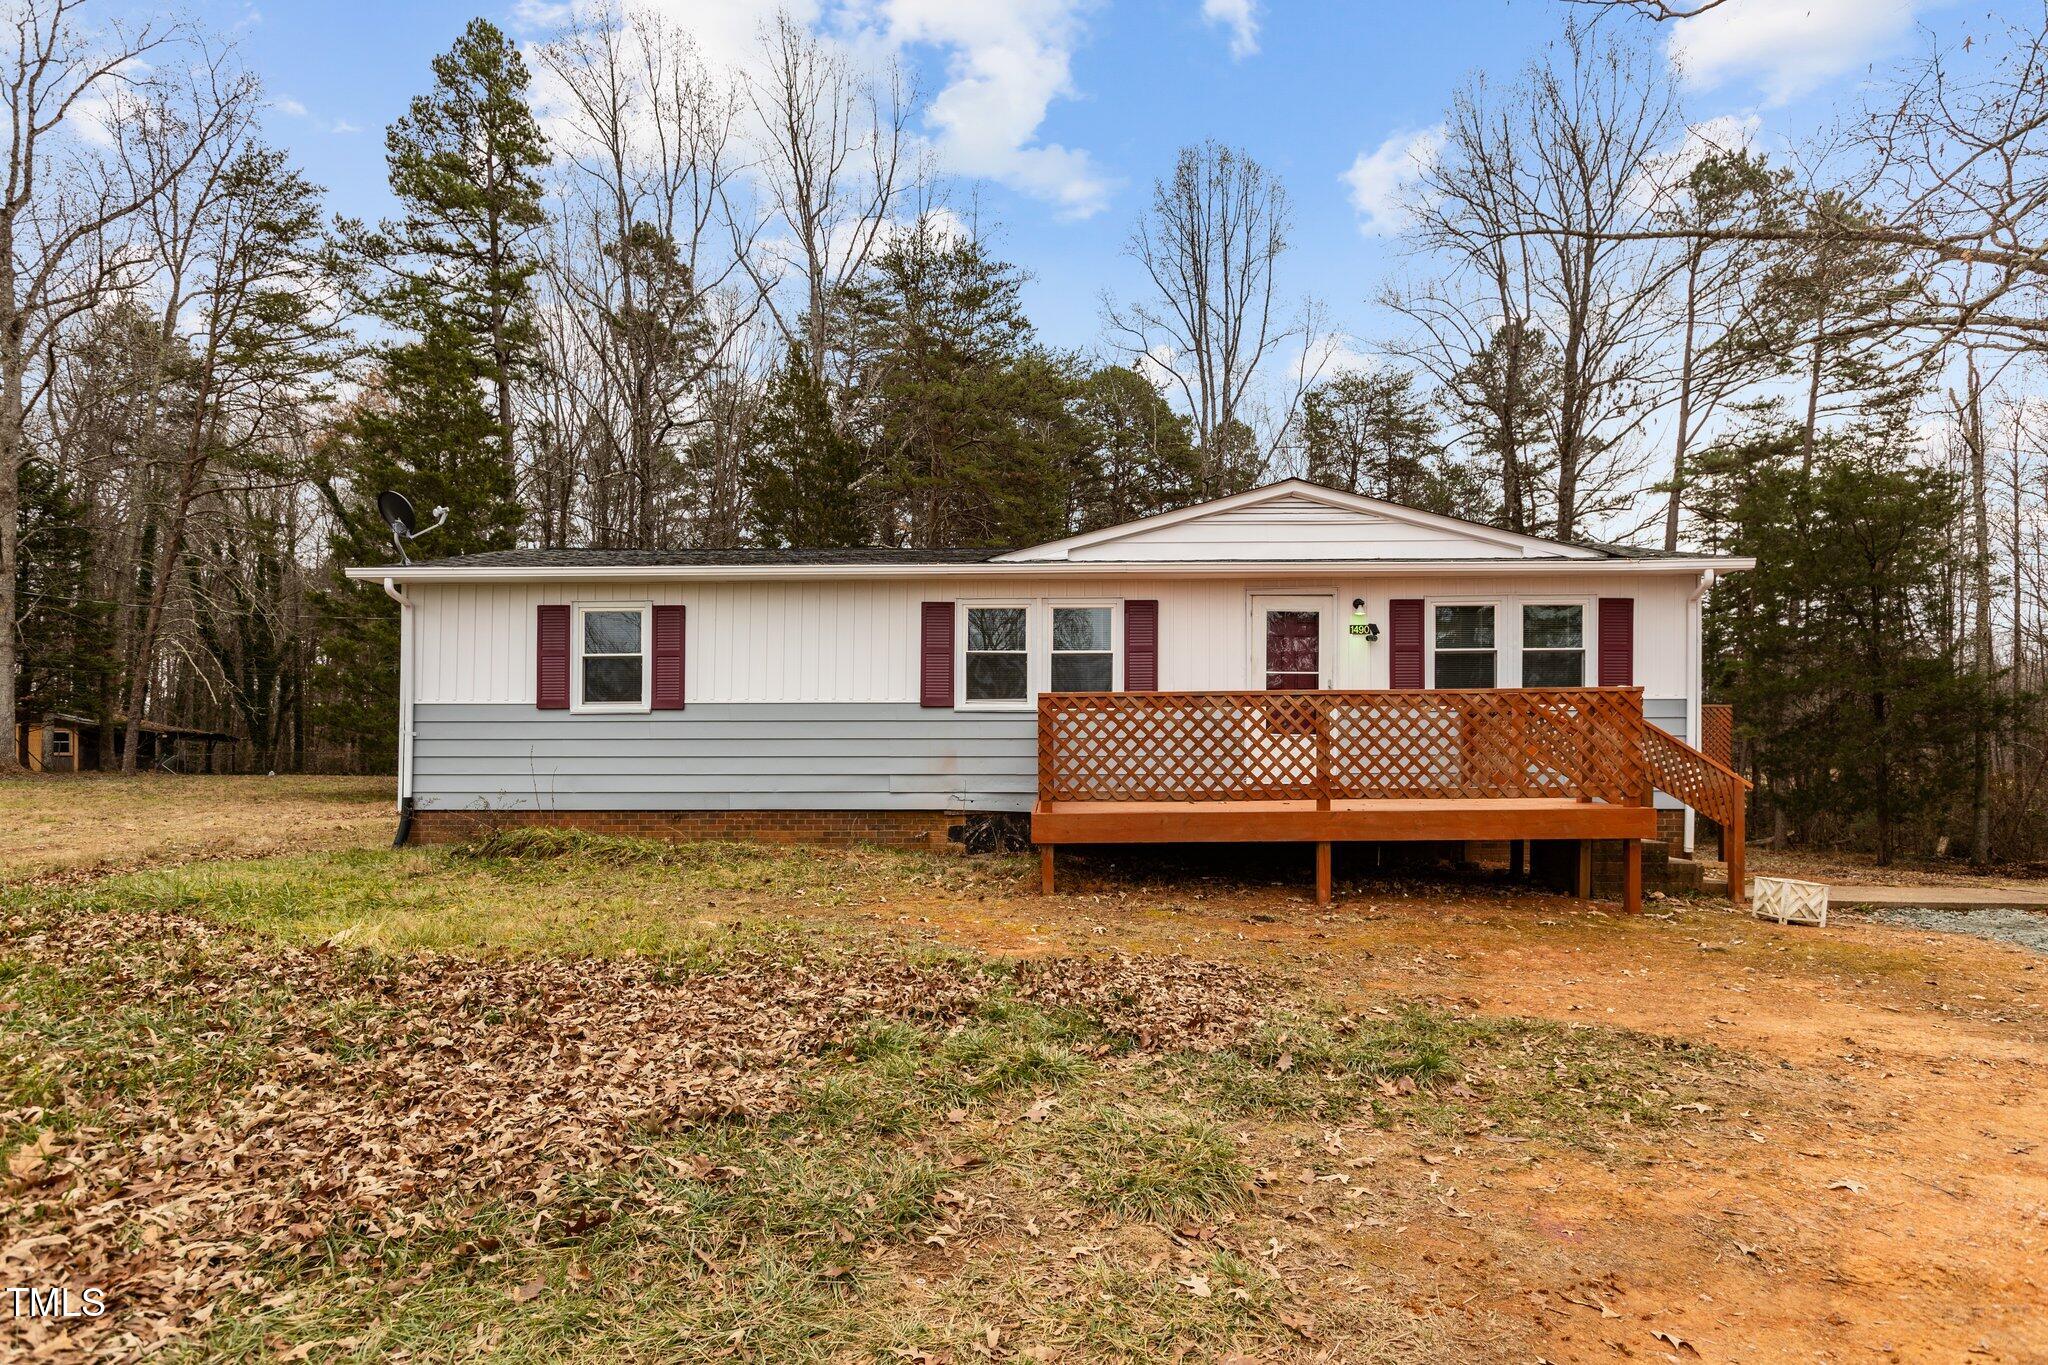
{"points": [[396, 509]]}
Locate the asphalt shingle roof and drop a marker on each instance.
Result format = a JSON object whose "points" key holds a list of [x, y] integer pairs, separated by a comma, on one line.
{"points": [[732, 558]]}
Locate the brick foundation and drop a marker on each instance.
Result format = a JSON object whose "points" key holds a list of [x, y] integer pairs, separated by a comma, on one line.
{"points": [[904, 828], [1671, 829]]}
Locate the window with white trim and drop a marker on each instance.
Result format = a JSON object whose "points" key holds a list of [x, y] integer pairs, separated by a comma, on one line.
{"points": [[996, 655], [1083, 649], [1553, 644], [611, 656], [1464, 645], [60, 743]]}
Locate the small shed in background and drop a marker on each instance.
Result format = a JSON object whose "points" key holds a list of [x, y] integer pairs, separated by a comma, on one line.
{"points": [[59, 742]]}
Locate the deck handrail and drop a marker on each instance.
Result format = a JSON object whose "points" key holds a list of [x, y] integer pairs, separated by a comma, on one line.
{"points": [[1709, 786], [1577, 743]]}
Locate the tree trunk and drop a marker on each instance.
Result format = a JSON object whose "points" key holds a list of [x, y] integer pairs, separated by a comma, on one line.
{"points": [[169, 549], [1980, 573], [11, 364], [1686, 366]]}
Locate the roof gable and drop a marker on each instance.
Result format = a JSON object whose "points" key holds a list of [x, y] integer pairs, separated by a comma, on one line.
{"points": [[1297, 520]]}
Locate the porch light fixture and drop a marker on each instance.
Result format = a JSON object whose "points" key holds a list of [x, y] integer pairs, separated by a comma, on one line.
{"points": [[1359, 625]]}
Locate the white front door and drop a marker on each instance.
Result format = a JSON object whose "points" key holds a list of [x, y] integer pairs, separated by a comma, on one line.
{"points": [[1293, 641]]}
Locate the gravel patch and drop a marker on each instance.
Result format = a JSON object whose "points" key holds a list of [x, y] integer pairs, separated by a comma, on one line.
{"points": [[2027, 928]]}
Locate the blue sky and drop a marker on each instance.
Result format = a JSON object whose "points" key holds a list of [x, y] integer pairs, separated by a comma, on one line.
{"points": [[1059, 113]]}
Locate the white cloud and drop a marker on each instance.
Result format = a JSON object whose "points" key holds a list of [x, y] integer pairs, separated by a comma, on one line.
{"points": [[342, 125], [1006, 62], [539, 16], [1378, 178], [1241, 17], [1714, 136], [94, 115], [288, 106], [1787, 46]]}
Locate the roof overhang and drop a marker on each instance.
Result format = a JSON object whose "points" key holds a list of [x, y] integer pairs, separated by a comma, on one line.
{"points": [[1054, 568]]}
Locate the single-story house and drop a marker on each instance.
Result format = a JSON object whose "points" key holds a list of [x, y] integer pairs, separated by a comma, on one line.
{"points": [[60, 742], [888, 693]]}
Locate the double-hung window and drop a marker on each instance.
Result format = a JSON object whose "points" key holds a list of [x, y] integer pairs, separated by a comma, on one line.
{"points": [[1553, 644], [1083, 652], [997, 653], [611, 657], [1464, 647]]}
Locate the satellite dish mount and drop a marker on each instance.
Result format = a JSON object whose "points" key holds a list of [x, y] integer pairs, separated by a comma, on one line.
{"points": [[396, 509]]}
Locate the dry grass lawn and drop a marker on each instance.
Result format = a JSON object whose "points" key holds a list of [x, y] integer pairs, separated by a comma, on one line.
{"points": [[56, 825], [566, 1098]]}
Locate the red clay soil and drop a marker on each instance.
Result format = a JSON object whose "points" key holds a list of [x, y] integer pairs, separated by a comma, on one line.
{"points": [[1887, 1200]]}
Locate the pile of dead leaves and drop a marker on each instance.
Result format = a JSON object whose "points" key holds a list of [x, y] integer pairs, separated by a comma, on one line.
{"points": [[323, 1102], [394, 1094], [1164, 1004]]}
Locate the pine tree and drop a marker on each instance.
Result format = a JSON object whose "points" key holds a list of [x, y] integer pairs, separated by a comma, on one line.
{"points": [[809, 479], [1836, 651], [66, 636], [1503, 401], [1137, 455], [1371, 433], [451, 280], [968, 419], [463, 161]]}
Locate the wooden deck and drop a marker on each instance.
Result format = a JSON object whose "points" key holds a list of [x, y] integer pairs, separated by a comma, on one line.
{"points": [[1576, 764], [1251, 822]]}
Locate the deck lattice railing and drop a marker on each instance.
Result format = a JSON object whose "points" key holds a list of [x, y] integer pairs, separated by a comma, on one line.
{"points": [[1709, 786], [1717, 732], [1577, 743]]}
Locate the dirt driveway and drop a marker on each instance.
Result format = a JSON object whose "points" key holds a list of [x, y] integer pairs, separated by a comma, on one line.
{"points": [[1891, 1202]]}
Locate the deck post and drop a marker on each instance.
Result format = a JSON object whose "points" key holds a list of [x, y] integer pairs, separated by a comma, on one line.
{"points": [[1045, 869], [1585, 877], [1632, 876], [1323, 872], [1732, 835]]}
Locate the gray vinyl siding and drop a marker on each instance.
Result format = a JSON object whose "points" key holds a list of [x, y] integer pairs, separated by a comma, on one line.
{"points": [[769, 756], [765, 756], [1667, 714]]}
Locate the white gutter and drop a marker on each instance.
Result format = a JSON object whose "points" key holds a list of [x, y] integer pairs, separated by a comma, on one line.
{"points": [[1695, 672], [1064, 568], [405, 687]]}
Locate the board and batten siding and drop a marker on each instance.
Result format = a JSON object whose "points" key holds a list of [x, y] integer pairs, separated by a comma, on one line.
{"points": [[857, 641], [804, 695]]}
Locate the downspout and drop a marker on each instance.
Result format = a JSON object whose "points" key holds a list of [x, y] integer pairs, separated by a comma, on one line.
{"points": [[397, 594], [1695, 679]]}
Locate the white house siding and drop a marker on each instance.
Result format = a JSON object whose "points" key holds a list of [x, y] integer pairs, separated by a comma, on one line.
{"points": [[805, 694], [1295, 528]]}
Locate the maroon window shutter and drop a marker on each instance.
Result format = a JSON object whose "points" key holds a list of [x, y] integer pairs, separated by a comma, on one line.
{"points": [[935, 656], [551, 651], [1404, 644], [668, 659], [1141, 646], [1617, 642]]}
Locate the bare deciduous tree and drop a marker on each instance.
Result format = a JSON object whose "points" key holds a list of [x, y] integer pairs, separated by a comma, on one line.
{"points": [[835, 158], [70, 93], [1210, 246], [639, 309], [1534, 205]]}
